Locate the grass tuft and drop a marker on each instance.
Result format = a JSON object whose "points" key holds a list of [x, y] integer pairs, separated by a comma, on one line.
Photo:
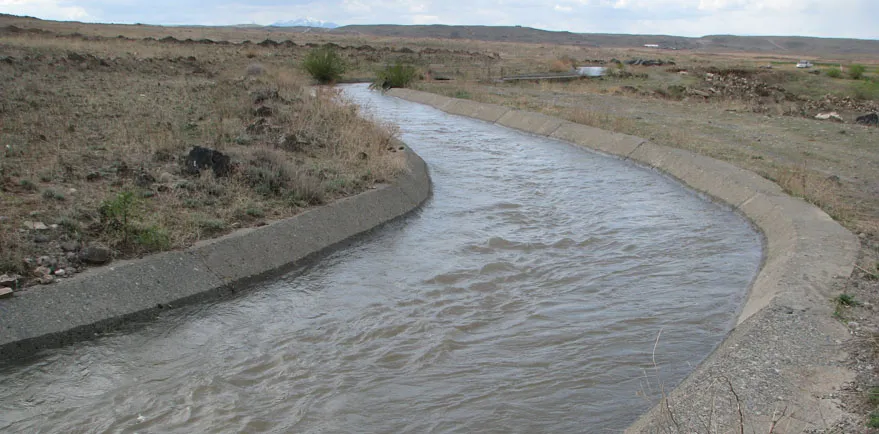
{"points": [[846, 300], [324, 65], [856, 71], [394, 76]]}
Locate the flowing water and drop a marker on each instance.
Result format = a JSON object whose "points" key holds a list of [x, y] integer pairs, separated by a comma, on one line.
{"points": [[526, 296]]}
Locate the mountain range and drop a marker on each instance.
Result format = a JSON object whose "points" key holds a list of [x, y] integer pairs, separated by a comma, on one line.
{"points": [[305, 22]]}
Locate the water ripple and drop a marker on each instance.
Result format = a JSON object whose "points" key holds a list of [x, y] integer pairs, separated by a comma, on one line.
{"points": [[525, 297]]}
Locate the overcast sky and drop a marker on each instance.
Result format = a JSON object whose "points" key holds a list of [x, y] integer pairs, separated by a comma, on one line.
{"points": [[829, 18]]}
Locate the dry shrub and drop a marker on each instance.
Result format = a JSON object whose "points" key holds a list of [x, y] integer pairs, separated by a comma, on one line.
{"points": [[360, 142], [601, 120], [255, 69], [125, 126], [559, 65], [270, 173]]}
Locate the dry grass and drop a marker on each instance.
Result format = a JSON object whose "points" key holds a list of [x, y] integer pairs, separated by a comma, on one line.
{"points": [[817, 189], [82, 122]]}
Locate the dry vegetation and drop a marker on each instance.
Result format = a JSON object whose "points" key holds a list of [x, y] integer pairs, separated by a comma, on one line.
{"points": [[92, 123], [93, 137]]}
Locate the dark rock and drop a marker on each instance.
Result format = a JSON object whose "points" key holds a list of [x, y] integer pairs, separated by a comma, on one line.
{"points": [[70, 246], [47, 261], [263, 111], [868, 119], [205, 158], [40, 238], [293, 143], [76, 57], [10, 281], [262, 95], [95, 254], [93, 176], [144, 179], [648, 62]]}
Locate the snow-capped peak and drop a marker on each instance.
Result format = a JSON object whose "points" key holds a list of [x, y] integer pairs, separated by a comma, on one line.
{"points": [[305, 22]]}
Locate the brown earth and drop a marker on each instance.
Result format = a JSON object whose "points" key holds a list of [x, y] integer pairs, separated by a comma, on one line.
{"points": [[95, 134]]}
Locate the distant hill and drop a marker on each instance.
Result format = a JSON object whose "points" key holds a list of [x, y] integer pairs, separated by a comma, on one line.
{"points": [[798, 45], [305, 22]]}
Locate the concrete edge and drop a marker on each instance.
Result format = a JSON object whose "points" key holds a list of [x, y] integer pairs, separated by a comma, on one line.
{"points": [[105, 298], [807, 256]]}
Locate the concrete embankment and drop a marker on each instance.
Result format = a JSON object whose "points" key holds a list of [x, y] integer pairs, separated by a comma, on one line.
{"points": [[93, 302], [781, 364]]}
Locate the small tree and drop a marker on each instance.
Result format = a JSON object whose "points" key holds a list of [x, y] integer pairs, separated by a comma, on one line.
{"points": [[856, 71], [324, 64], [834, 73], [396, 75]]}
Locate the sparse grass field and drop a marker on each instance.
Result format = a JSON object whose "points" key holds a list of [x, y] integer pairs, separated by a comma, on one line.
{"points": [[93, 136], [94, 127]]}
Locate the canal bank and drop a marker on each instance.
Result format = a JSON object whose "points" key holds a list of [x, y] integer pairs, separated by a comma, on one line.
{"points": [[780, 368], [524, 297], [104, 298]]}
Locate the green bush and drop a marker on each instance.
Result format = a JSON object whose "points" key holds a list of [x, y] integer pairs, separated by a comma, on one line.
{"points": [[834, 73], [856, 71], [28, 185], [153, 238], [396, 75], [865, 90], [324, 64], [846, 300], [120, 215]]}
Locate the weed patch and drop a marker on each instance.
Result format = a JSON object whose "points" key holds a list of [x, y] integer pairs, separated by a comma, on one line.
{"points": [[324, 64], [394, 76]]}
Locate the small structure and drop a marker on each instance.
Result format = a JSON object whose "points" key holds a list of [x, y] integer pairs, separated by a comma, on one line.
{"points": [[804, 64], [591, 71], [651, 45]]}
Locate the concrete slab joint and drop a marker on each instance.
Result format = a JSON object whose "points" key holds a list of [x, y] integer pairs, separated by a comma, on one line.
{"points": [[77, 308], [777, 356]]}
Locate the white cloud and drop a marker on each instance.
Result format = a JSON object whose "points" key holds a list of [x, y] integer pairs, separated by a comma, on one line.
{"points": [[560, 8], [47, 9]]}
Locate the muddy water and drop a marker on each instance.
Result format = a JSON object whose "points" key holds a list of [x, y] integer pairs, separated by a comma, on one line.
{"points": [[526, 296]]}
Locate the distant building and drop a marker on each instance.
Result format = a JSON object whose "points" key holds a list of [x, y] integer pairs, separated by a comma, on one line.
{"points": [[591, 71], [651, 45]]}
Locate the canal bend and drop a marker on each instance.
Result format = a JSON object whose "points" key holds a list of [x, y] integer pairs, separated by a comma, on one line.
{"points": [[525, 296]]}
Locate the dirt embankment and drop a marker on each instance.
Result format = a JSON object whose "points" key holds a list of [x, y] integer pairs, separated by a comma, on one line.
{"points": [[114, 148]]}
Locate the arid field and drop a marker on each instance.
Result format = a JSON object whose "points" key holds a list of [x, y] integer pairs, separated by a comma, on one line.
{"points": [[97, 121]]}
